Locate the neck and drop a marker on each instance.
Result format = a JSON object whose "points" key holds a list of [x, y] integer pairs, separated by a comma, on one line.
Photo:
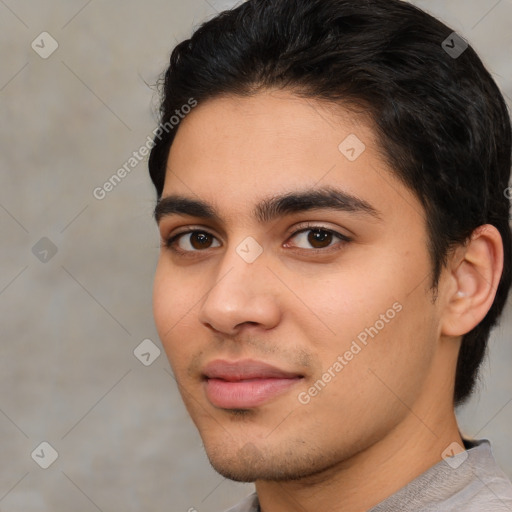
{"points": [[370, 476]]}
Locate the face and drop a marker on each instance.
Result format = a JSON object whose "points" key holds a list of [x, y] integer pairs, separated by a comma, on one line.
{"points": [[292, 289]]}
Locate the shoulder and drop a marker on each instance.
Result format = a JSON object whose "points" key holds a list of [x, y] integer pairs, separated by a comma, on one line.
{"points": [[489, 488], [470, 480]]}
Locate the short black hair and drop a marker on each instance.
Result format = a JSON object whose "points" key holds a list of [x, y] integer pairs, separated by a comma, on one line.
{"points": [[442, 123]]}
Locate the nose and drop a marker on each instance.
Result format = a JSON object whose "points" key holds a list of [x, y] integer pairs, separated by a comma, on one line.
{"points": [[241, 293]]}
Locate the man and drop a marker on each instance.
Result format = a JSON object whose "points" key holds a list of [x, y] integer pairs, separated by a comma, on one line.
{"points": [[331, 179]]}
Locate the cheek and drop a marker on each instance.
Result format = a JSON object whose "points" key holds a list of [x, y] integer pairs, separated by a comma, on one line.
{"points": [[380, 320], [164, 300], [338, 306], [173, 310], [376, 382], [395, 356]]}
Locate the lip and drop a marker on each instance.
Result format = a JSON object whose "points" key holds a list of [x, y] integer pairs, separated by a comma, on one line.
{"points": [[246, 383]]}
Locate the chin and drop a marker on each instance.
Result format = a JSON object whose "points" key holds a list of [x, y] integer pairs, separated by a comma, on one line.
{"points": [[250, 463]]}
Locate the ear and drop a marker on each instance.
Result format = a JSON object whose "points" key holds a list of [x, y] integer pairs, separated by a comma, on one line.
{"points": [[475, 272]]}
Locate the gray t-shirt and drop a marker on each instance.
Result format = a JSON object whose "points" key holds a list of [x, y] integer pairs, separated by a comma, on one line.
{"points": [[470, 481]]}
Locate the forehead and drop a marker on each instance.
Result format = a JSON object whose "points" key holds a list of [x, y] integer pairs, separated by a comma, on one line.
{"points": [[235, 152], [267, 129]]}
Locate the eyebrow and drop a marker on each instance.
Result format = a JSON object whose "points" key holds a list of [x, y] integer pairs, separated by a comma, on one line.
{"points": [[269, 209]]}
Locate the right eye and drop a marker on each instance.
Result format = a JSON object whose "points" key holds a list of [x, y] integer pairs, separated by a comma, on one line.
{"points": [[192, 240]]}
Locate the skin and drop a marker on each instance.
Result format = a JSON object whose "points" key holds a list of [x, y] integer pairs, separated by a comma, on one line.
{"points": [[388, 415]]}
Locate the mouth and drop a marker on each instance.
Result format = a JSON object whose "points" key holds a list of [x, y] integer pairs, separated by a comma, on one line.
{"points": [[246, 383]]}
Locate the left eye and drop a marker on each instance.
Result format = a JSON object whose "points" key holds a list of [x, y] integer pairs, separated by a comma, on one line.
{"points": [[317, 237]]}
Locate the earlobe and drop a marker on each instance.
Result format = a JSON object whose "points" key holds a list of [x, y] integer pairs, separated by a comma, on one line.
{"points": [[475, 273]]}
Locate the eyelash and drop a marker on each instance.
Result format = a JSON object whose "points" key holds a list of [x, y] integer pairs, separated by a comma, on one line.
{"points": [[170, 242]]}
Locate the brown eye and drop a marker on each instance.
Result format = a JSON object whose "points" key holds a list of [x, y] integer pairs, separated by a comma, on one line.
{"points": [[319, 238], [199, 240], [192, 241]]}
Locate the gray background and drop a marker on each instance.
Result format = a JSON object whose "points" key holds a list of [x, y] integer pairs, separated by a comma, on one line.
{"points": [[69, 325]]}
